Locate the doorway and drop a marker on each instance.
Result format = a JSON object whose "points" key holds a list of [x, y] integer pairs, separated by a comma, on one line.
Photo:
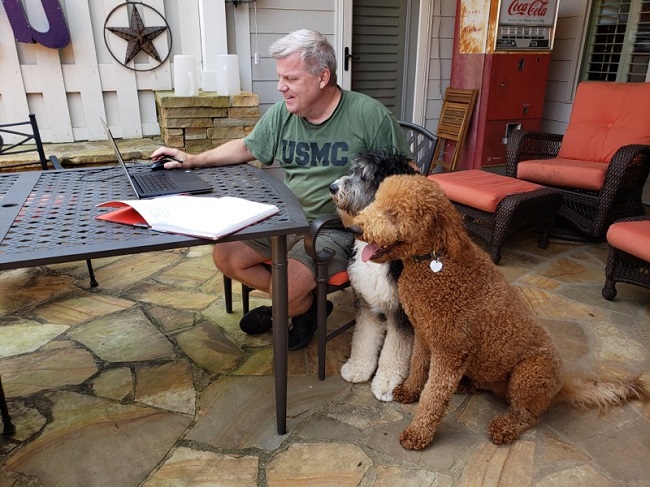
{"points": [[382, 57]]}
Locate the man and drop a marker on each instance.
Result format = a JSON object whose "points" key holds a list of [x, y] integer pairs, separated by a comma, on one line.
{"points": [[313, 134]]}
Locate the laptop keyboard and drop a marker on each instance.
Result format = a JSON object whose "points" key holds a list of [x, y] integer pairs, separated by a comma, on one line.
{"points": [[155, 182]]}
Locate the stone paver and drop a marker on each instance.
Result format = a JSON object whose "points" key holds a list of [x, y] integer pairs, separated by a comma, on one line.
{"points": [[318, 464], [206, 469]]}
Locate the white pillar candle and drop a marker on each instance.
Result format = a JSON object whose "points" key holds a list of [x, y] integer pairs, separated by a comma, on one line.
{"points": [[185, 77], [228, 75]]}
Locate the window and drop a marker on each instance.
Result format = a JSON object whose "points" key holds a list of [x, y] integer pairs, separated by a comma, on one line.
{"points": [[618, 43]]}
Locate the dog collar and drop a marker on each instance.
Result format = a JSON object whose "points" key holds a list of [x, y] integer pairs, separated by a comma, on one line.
{"points": [[435, 264], [435, 255]]}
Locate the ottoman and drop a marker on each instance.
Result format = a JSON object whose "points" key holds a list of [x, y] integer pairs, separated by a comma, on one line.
{"points": [[494, 207]]}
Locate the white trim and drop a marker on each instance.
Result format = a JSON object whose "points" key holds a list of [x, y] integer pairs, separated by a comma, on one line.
{"points": [[422, 60], [214, 40], [243, 41], [343, 38], [579, 50]]}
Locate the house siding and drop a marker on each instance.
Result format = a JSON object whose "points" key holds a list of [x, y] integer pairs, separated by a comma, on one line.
{"points": [[565, 63], [271, 19], [440, 55]]}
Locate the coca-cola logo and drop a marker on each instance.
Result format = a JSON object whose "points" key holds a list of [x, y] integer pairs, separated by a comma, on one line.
{"points": [[534, 8]]}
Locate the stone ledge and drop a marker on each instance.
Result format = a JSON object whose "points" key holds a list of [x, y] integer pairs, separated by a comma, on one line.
{"points": [[205, 121], [167, 99], [88, 153]]}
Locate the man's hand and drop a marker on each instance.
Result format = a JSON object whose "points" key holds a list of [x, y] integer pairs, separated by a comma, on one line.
{"points": [[177, 159]]}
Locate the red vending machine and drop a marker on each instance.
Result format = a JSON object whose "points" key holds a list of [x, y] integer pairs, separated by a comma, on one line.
{"points": [[503, 49]]}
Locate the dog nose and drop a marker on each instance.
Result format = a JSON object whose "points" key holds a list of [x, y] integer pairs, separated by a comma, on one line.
{"points": [[334, 188], [356, 230]]}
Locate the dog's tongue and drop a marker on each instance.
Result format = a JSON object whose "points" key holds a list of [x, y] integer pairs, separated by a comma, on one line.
{"points": [[369, 251]]}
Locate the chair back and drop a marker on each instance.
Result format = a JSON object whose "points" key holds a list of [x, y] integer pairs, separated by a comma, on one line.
{"points": [[454, 121], [422, 143], [23, 138], [605, 117]]}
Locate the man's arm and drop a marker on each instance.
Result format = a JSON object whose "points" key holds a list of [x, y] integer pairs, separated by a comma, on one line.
{"points": [[232, 152]]}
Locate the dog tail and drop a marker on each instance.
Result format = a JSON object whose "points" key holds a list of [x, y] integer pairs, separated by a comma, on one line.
{"points": [[584, 393]]}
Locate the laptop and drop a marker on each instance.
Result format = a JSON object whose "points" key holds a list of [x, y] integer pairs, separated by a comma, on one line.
{"points": [[159, 183]]}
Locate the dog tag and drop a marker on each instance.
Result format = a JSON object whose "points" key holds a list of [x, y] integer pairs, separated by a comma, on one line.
{"points": [[435, 265]]}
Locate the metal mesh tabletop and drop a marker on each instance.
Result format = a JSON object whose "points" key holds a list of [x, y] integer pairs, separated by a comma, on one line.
{"points": [[49, 217]]}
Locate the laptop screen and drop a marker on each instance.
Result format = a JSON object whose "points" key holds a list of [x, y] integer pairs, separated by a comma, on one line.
{"points": [[118, 156]]}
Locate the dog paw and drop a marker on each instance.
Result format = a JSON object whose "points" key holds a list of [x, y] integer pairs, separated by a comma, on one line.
{"points": [[415, 439], [502, 431], [404, 395], [357, 372], [382, 393], [382, 387]]}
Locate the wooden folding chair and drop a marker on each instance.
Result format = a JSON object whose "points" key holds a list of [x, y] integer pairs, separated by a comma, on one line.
{"points": [[454, 121]]}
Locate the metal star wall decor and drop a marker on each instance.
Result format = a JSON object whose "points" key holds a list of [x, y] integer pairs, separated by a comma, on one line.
{"points": [[139, 38]]}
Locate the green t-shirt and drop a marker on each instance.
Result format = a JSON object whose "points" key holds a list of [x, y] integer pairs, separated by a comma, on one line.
{"points": [[314, 156]]}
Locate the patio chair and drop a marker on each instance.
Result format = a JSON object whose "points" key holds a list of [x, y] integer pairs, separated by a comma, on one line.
{"points": [[628, 260], [27, 140], [600, 165], [421, 142]]}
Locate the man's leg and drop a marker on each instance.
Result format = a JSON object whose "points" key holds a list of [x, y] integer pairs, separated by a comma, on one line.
{"points": [[248, 263], [241, 262]]}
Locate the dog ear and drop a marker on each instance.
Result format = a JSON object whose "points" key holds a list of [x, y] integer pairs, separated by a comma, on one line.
{"points": [[446, 227]]}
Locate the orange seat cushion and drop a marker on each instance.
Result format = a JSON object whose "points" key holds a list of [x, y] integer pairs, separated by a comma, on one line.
{"points": [[606, 116], [339, 278], [568, 173], [631, 237], [480, 189]]}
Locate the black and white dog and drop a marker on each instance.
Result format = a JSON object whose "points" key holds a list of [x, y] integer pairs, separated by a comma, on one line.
{"points": [[383, 336]]}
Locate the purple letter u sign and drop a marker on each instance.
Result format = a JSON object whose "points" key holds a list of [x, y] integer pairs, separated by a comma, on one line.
{"points": [[56, 38]]}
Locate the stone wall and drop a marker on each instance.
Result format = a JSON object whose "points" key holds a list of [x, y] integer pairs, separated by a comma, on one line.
{"points": [[198, 123]]}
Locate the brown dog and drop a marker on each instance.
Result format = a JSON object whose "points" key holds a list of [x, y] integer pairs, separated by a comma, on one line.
{"points": [[468, 320]]}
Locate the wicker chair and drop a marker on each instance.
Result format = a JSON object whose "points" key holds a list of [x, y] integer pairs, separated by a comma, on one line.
{"points": [[628, 260], [600, 165]]}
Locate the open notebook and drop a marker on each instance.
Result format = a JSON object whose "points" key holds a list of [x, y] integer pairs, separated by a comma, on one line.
{"points": [[202, 217]]}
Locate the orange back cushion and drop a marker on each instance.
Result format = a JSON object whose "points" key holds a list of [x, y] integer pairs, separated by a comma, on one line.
{"points": [[606, 116]]}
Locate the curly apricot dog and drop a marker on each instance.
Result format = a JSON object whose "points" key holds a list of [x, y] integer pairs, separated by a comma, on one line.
{"points": [[468, 320]]}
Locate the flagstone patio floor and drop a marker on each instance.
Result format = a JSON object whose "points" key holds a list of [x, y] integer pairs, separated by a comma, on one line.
{"points": [[147, 381]]}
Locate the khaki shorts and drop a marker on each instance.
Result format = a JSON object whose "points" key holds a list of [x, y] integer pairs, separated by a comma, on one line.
{"points": [[340, 241]]}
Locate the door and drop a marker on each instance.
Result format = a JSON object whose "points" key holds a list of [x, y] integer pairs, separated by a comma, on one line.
{"points": [[380, 60]]}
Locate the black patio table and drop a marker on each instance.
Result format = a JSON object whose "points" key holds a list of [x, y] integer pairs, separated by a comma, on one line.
{"points": [[48, 217]]}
